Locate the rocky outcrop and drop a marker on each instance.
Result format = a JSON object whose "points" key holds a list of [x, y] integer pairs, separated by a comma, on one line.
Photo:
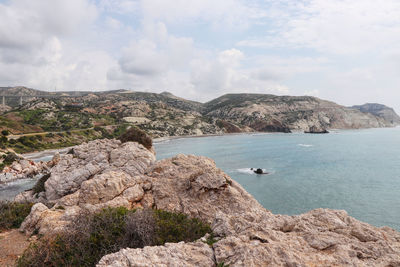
{"points": [[108, 173], [316, 130], [179, 254], [24, 168]]}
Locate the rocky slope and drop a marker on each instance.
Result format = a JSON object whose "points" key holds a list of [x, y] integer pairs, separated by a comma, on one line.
{"points": [[107, 173], [382, 111], [168, 115], [280, 113]]}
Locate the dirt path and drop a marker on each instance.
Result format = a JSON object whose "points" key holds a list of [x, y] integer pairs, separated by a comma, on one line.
{"points": [[12, 245]]}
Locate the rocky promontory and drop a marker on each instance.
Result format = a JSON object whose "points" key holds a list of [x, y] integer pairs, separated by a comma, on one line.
{"points": [[108, 173]]}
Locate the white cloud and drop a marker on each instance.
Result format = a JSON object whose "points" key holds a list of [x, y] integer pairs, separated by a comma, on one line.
{"points": [[332, 26], [225, 75], [312, 93], [143, 58], [344, 50], [113, 23], [120, 6]]}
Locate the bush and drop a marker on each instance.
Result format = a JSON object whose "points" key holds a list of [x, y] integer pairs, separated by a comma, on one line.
{"points": [[39, 186], [137, 135], [140, 229], [5, 132], [13, 214], [10, 158], [94, 235], [176, 227]]}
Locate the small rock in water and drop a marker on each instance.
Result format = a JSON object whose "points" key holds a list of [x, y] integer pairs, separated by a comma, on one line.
{"points": [[259, 171]]}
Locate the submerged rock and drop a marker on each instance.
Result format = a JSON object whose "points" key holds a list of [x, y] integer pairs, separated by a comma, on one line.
{"points": [[108, 173]]}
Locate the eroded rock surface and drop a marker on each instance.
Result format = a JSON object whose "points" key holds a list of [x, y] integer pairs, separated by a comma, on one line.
{"points": [[108, 173], [196, 254]]}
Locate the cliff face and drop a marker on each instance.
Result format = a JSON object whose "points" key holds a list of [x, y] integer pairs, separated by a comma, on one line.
{"points": [[296, 113], [106, 173], [381, 111]]}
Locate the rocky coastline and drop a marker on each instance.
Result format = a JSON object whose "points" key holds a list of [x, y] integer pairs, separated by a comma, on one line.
{"points": [[108, 173], [23, 168]]}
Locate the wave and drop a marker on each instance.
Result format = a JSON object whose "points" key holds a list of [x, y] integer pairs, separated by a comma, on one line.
{"points": [[305, 145], [162, 141]]}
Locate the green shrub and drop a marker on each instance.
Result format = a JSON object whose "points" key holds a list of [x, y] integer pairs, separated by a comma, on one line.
{"points": [[49, 135], [10, 158], [5, 132], [137, 135], [13, 214], [3, 139], [39, 186], [176, 227], [92, 236]]}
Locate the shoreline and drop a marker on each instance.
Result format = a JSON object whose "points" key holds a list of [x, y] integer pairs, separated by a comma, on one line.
{"points": [[159, 140], [45, 153]]}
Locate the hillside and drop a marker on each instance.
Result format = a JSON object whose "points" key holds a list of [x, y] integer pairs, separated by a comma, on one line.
{"points": [[105, 114], [379, 110], [260, 112]]}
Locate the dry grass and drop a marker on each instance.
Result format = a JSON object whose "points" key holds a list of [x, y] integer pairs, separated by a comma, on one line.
{"points": [[13, 214]]}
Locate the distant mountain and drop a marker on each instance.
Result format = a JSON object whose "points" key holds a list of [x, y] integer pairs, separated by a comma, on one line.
{"points": [[21, 91], [165, 114], [270, 112], [380, 110]]}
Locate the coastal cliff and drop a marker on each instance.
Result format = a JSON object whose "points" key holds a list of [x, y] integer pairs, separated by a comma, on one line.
{"points": [[108, 173], [275, 113], [379, 110]]}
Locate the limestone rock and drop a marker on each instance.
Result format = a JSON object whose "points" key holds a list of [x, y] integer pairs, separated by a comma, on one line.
{"points": [[22, 169], [93, 158], [179, 254]]}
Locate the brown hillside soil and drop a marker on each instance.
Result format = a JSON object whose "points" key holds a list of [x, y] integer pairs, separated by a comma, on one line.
{"points": [[12, 245]]}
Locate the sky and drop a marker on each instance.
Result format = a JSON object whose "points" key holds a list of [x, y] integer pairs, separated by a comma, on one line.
{"points": [[346, 51]]}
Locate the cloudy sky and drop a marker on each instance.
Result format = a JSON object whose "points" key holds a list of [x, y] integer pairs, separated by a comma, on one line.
{"points": [[343, 50]]}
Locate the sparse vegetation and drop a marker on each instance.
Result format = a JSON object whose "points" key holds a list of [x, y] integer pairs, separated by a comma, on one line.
{"points": [[8, 159], [13, 214], [93, 236], [136, 135], [39, 186]]}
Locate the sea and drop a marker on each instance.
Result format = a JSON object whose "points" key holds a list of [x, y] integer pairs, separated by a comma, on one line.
{"points": [[353, 170]]}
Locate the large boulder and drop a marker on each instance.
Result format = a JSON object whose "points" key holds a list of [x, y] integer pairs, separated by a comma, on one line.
{"points": [[94, 158], [110, 174], [197, 254]]}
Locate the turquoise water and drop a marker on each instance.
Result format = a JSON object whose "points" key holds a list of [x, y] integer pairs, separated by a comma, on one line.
{"points": [[354, 170]]}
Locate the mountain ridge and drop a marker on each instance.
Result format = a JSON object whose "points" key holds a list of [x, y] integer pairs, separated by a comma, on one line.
{"points": [[164, 114]]}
